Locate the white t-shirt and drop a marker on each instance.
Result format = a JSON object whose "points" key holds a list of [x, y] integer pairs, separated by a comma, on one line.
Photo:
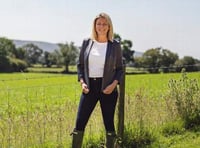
{"points": [[97, 59]]}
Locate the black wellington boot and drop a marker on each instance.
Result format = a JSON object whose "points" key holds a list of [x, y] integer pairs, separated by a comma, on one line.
{"points": [[77, 138], [110, 139]]}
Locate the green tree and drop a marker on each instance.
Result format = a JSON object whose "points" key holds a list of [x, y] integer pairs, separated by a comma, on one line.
{"points": [[33, 53], [126, 45], [127, 52], [179, 65], [158, 58], [52, 58], [9, 60], [56, 58], [6, 48], [47, 60], [20, 53], [117, 37], [151, 59], [168, 59], [69, 53], [189, 63]]}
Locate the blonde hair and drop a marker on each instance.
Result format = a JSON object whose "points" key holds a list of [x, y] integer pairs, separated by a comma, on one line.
{"points": [[110, 31]]}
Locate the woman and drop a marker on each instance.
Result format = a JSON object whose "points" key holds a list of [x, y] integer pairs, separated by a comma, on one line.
{"points": [[99, 71]]}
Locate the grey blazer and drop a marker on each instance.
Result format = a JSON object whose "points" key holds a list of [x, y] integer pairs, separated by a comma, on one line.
{"points": [[113, 63]]}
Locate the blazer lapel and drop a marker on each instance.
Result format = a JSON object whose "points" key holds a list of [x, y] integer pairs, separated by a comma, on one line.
{"points": [[88, 49], [108, 52]]}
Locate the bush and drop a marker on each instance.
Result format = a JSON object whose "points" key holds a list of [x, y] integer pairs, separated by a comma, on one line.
{"points": [[12, 65], [173, 128], [94, 141], [135, 136], [4, 64], [184, 98], [18, 65]]}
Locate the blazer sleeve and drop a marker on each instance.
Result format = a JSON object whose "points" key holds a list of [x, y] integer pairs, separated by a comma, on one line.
{"points": [[80, 62], [119, 62]]}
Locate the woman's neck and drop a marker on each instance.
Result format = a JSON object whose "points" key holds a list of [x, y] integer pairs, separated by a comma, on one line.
{"points": [[102, 39]]}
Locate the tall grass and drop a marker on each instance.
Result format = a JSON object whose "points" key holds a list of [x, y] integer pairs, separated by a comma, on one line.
{"points": [[184, 99], [35, 110], [39, 110]]}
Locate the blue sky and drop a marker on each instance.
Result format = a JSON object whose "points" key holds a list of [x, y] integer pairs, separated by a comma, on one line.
{"points": [[170, 24]]}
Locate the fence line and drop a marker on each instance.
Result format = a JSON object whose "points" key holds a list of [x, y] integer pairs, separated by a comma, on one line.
{"points": [[170, 67], [31, 78]]}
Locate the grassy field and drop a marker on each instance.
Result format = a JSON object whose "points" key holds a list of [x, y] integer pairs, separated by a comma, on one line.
{"points": [[38, 110]]}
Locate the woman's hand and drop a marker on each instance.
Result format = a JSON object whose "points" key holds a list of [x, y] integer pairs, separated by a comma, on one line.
{"points": [[109, 89], [85, 89]]}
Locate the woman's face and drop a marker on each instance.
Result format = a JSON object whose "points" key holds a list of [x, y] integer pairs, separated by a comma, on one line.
{"points": [[102, 26]]}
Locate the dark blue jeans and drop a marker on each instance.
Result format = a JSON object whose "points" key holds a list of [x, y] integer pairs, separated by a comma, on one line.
{"points": [[89, 101]]}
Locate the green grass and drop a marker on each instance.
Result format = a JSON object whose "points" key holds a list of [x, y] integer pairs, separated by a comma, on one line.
{"points": [[39, 110]]}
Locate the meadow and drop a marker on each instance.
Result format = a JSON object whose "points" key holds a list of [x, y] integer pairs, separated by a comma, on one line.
{"points": [[38, 110]]}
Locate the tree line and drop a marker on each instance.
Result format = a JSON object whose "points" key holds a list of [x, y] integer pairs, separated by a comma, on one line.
{"points": [[155, 60], [163, 60], [14, 59]]}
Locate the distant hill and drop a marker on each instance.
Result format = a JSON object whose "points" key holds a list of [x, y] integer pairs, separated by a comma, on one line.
{"points": [[50, 47], [138, 54], [46, 46]]}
